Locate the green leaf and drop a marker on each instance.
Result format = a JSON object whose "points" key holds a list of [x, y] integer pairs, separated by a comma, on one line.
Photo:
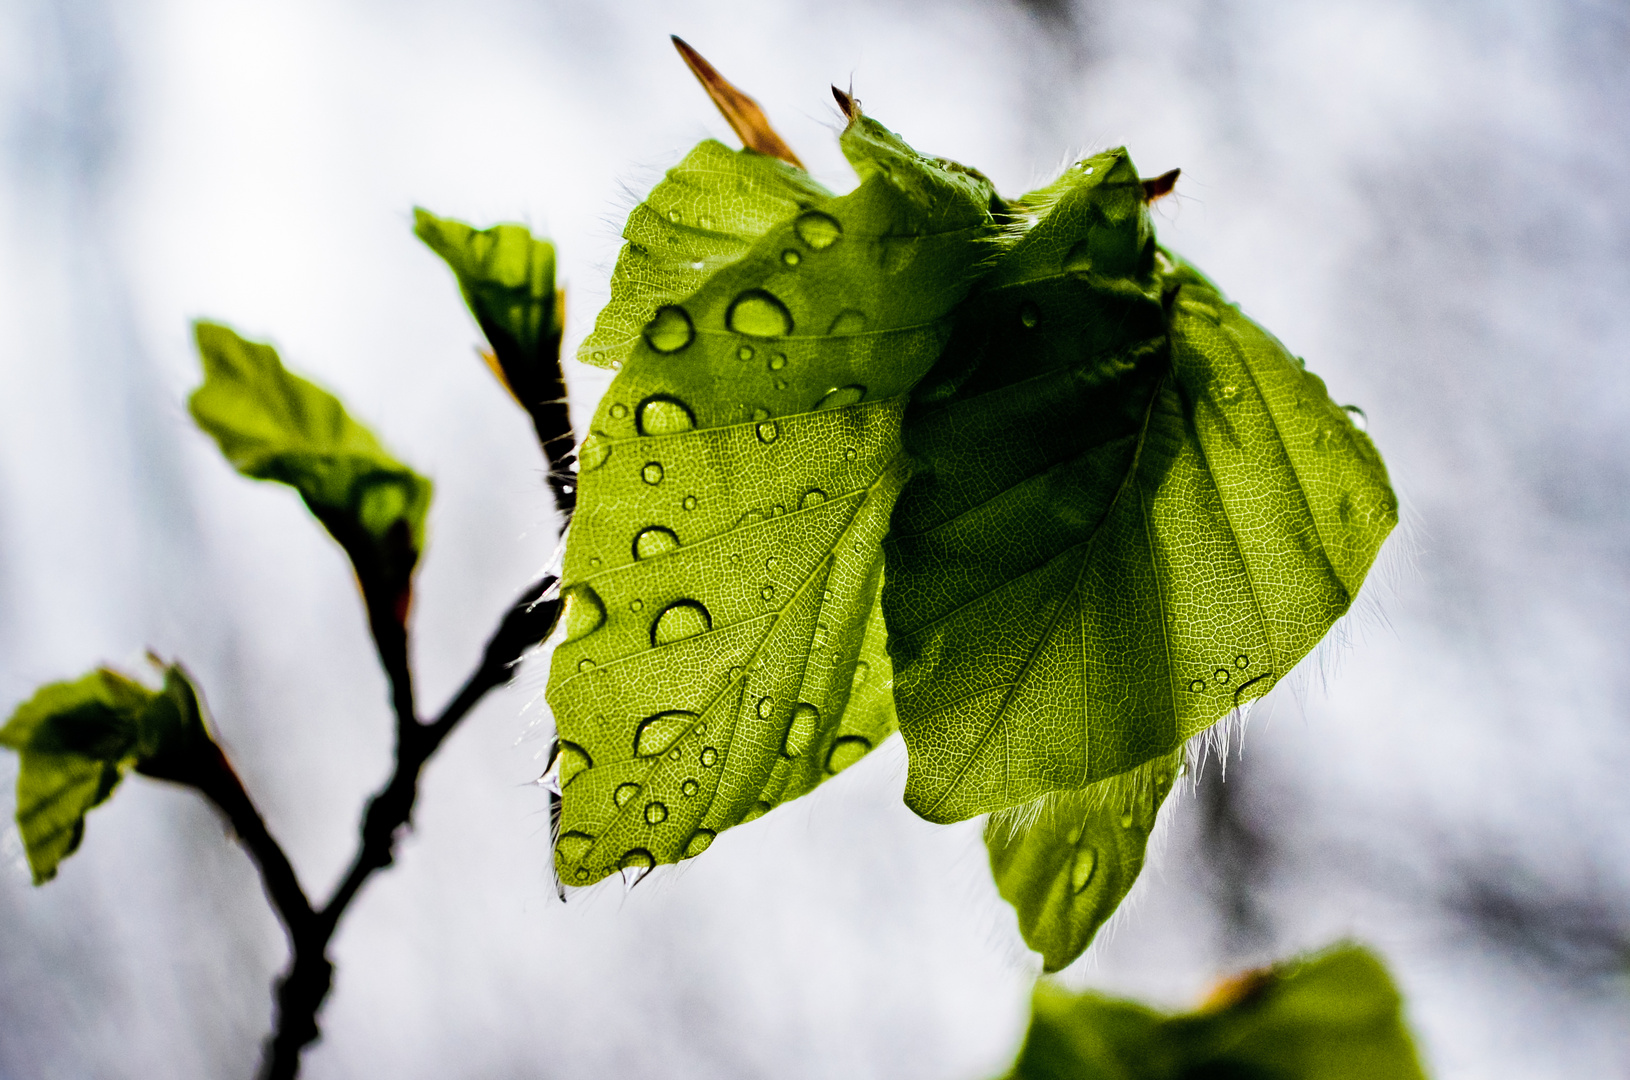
{"points": [[708, 212], [1333, 1016], [723, 651], [1067, 863], [508, 281], [77, 739], [1133, 512], [272, 425]]}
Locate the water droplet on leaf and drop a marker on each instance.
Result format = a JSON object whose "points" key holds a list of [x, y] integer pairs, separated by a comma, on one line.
{"points": [[1242, 660], [670, 330], [585, 664], [635, 865], [698, 842], [675, 216], [663, 415], [767, 592], [820, 231], [1083, 867], [769, 431], [709, 756], [801, 732], [845, 752], [680, 620], [657, 733], [654, 541], [778, 361], [791, 257], [812, 497], [652, 473], [1221, 674], [573, 846], [655, 813], [689, 788], [744, 353], [757, 313], [624, 792], [1196, 685], [689, 503], [584, 612], [593, 453], [618, 411], [841, 398], [848, 321]]}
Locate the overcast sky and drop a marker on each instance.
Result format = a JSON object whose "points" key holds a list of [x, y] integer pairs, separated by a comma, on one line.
{"points": [[1426, 200]]}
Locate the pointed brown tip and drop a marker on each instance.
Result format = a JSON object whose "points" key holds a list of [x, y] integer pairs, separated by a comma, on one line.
{"points": [[846, 102], [1160, 186], [745, 117]]}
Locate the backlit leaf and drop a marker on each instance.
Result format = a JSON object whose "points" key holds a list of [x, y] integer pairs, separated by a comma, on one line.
{"points": [[1067, 869], [273, 425], [1133, 512], [723, 651], [1333, 1016]]}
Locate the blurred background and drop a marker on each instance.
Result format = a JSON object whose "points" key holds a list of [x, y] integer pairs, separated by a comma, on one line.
{"points": [[1425, 199]]}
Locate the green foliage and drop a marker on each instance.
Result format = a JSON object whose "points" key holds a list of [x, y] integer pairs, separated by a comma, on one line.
{"points": [[77, 739], [722, 648], [1067, 869], [1133, 512], [273, 425], [1334, 1016]]}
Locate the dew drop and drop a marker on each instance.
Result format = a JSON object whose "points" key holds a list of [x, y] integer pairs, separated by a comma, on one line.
{"points": [[757, 313], [778, 361], [689, 788], [655, 813], [780, 384], [663, 415], [657, 733], [654, 541], [698, 842], [812, 497], [734, 673], [618, 411], [848, 321], [801, 732], [675, 754], [766, 706], [705, 222], [744, 353], [820, 231], [689, 503], [624, 792], [584, 612], [585, 664], [652, 472], [709, 756], [791, 257], [841, 398], [768, 432], [1029, 314], [675, 216], [1221, 675], [670, 330], [1358, 417], [1242, 660], [582, 873], [845, 752], [635, 865], [599, 356], [570, 759], [767, 592], [849, 454], [771, 563], [1196, 685], [1083, 867], [593, 453], [680, 620], [573, 846]]}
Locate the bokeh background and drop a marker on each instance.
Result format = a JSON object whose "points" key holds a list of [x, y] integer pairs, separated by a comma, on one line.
{"points": [[1426, 199]]}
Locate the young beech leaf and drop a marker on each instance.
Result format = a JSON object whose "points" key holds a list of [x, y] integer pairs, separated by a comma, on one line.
{"points": [[1133, 512], [507, 277], [272, 425], [722, 650], [1332, 1016], [1067, 870], [77, 739]]}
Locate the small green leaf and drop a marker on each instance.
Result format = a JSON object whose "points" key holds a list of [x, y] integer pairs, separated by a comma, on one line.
{"points": [[723, 649], [77, 739], [272, 425], [1067, 868], [1133, 512], [1332, 1016], [508, 280]]}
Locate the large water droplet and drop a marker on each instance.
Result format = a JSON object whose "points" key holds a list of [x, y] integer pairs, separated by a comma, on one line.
{"points": [[820, 231], [652, 473], [768, 432], [709, 756], [845, 752], [757, 313], [660, 414], [584, 612], [841, 398], [656, 733], [593, 453], [654, 541], [670, 329], [1221, 675], [570, 759], [1357, 415], [812, 497], [573, 846], [848, 321], [689, 788], [1083, 867], [698, 842], [766, 706], [624, 792], [635, 865], [585, 664], [801, 732], [655, 813], [680, 620]]}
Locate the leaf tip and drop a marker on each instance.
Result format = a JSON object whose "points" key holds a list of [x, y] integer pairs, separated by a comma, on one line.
{"points": [[1160, 186], [743, 114], [847, 102]]}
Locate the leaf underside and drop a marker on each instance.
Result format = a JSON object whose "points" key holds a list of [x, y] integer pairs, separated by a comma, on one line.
{"points": [[1133, 512], [723, 649]]}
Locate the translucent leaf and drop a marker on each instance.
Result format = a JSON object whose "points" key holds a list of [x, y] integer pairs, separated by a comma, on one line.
{"points": [[1067, 869], [77, 739], [1333, 1016], [1133, 512], [721, 573], [273, 425]]}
